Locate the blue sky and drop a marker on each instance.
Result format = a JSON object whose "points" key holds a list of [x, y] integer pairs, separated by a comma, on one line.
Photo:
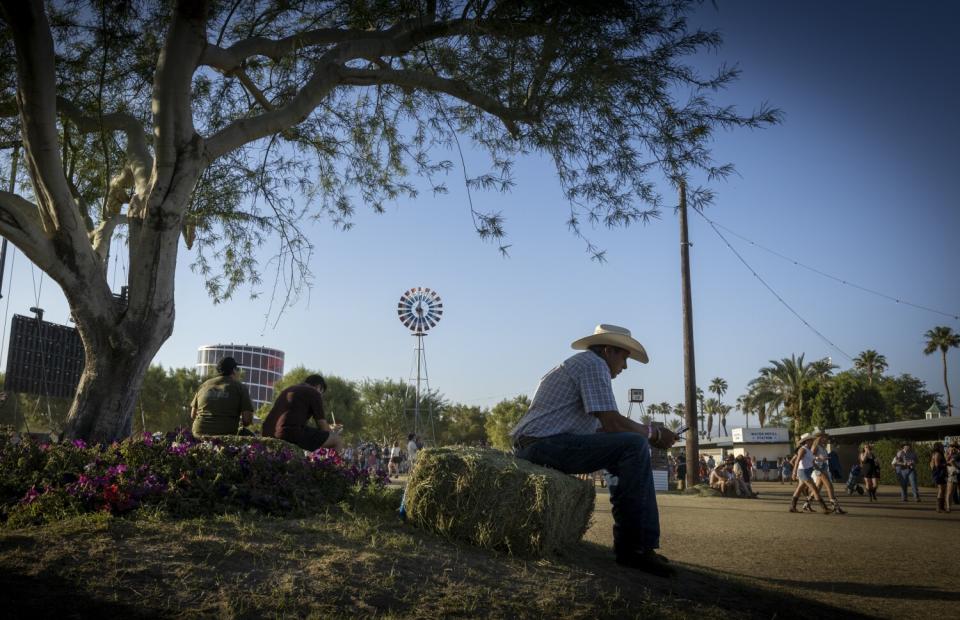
{"points": [[856, 182]]}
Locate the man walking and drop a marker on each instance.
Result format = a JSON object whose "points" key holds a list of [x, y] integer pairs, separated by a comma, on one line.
{"points": [[905, 464], [573, 425]]}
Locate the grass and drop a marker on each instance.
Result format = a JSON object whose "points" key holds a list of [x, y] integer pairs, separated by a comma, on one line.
{"points": [[352, 561]]}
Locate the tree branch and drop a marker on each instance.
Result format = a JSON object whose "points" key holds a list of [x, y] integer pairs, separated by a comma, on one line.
{"points": [[141, 161], [244, 130], [20, 224], [373, 46], [396, 40], [425, 81], [59, 216]]}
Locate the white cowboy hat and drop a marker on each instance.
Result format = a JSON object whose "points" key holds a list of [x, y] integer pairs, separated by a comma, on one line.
{"points": [[805, 437], [818, 432], [614, 336]]}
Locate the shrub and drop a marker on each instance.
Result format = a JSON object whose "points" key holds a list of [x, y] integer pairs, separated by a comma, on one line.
{"points": [[176, 472], [493, 500]]}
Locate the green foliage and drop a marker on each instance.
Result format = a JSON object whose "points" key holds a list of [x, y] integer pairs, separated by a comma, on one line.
{"points": [[463, 424], [503, 417], [847, 400], [165, 398], [388, 409], [906, 397]]}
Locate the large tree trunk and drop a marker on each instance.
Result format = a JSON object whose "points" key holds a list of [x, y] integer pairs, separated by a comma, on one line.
{"points": [[105, 401]]}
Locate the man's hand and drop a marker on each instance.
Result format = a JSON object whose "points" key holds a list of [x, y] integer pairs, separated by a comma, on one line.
{"points": [[665, 438]]}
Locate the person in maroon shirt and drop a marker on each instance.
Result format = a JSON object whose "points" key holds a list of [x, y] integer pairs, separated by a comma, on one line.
{"points": [[294, 406]]}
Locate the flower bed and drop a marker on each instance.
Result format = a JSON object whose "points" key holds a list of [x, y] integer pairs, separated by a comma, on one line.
{"points": [[176, 473]]}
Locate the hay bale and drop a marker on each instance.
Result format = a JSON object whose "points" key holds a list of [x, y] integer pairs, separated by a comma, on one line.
{"points": [[496, 501]]}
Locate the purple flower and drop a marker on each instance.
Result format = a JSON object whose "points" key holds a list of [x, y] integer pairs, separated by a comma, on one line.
{"points": [[31, 495], [117, 470], [79, 443]]}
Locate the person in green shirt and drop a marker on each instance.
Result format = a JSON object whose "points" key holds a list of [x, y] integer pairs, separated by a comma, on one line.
{"points": [[222, 404]]}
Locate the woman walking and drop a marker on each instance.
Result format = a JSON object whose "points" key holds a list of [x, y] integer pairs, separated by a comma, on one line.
{"points": [[938, 469], [953, 472], [871, 471], [803, 474], [821, 471]]}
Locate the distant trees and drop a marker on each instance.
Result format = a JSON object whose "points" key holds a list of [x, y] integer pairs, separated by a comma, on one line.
{"points": [[809, 395], [942, 338], [462, 424]]}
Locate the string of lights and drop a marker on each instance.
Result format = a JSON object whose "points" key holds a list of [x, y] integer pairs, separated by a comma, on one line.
{"points": [[820, 335], [865, 289]]}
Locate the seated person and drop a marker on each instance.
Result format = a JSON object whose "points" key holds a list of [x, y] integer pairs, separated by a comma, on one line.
{"points": [[294, 406], [719, 480], [222, 404], [741, 471]]}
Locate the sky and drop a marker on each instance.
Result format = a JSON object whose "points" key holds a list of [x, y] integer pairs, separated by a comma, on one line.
{"points": [[856, 182]]}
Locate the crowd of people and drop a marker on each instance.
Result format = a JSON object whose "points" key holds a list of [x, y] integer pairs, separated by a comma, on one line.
{"points": [[393, 459]]}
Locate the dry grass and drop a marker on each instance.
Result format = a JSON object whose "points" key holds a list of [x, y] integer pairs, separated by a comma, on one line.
{"points": [[352, 562]]}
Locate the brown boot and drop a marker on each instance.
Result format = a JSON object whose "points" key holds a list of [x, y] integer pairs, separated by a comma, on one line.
{"points": [[941, 505], [793, 504], [823, 505]]}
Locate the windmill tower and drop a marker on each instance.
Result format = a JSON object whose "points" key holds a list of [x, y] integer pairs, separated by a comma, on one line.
{"points": [[420, 309]]}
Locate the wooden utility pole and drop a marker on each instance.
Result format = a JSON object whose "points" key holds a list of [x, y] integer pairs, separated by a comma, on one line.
{"points": [[689, 368]]}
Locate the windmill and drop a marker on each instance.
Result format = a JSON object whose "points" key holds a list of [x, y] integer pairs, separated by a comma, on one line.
{"points": [[420, 309]]}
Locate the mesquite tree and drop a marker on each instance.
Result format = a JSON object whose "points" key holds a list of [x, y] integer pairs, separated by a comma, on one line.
{"points": [[223, 123]]}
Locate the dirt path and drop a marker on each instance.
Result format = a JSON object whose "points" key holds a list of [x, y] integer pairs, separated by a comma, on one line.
{"points": [[888, 559]]}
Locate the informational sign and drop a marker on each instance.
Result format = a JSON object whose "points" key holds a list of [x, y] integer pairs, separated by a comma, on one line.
{"points": [[760, 435], [636, 395], [43, 358]]}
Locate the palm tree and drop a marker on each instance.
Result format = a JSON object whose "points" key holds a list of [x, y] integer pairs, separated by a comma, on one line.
{"points": [[646, 419], [711, 407], [743, 404], [652, 410], [719, 387], [784, 381], [870, 362], [665, 410], [822, 369], [943, 338], [673, 424], [681, 412], [723, 410], [700, 416]]}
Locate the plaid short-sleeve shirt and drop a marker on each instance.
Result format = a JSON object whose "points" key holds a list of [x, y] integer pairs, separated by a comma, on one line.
{"points": [[568, 398]]}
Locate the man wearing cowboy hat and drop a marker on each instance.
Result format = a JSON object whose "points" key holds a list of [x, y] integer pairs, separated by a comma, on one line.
{"points": [[573, 425]]}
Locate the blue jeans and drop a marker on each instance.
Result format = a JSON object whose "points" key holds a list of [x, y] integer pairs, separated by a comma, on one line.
{"points": [[907, 476], [636, 521]]}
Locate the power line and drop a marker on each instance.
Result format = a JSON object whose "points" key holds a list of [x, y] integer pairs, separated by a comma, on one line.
{"points": [[770, 288], [827, 275]]}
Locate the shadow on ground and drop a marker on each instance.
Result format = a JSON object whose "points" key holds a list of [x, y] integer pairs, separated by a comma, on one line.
{"points": [[51, 596], [699, 585]]}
